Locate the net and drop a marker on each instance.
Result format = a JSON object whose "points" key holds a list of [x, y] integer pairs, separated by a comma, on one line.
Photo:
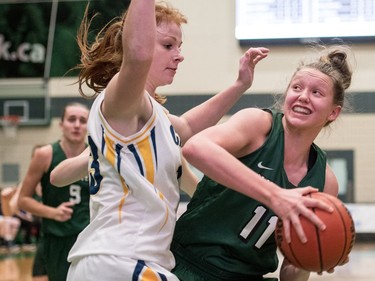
{"points": [[10, 125]]}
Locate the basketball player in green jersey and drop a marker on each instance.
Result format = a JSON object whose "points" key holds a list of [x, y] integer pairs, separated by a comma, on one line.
{"points": [[268, 160], [9, 202], [64, 211]]}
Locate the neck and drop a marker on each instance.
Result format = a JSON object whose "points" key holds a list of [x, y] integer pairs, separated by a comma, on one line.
{"points": [[71, 149]]}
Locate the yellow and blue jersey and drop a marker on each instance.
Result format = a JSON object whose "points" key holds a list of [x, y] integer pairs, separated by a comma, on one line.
{"points": [[134, 186]]}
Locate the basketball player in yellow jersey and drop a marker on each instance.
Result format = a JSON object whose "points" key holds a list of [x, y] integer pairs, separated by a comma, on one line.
{"points": [[135, 165]]}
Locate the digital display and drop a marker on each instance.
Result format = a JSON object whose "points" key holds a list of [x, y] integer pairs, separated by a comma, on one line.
{"points": [[304, 21]]}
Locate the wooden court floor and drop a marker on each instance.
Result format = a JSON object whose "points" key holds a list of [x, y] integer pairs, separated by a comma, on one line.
{"points": [[361, 266]]}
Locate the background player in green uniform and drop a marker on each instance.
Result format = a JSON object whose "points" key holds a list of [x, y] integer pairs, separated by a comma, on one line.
{"points": [[65, 211], [9, 199], [227, 233]]}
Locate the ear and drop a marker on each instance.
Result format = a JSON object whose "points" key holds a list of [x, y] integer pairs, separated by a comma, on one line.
{"points": [[334, 113]]}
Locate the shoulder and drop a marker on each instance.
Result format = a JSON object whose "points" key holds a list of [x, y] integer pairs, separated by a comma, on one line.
{"points": [[253, 116], [244, 132], [42, 156], [331, 185], [43, 151], [255, 113]]}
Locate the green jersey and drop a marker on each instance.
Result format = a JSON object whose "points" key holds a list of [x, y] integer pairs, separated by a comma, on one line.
{"points": [[77, 192], [225, 235]]}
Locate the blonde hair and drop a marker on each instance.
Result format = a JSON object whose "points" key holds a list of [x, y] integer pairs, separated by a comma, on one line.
{"points": [[102, 59], [333, 61]]}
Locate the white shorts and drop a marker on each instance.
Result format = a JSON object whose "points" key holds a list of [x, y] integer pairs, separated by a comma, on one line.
{"points": [[116, 268]]}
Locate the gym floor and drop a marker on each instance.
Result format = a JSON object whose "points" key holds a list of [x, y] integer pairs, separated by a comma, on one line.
{"points": [[361, 266]]}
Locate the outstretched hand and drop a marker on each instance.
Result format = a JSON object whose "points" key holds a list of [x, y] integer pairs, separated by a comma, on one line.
{"points": [[247, 64], [292, 203]]}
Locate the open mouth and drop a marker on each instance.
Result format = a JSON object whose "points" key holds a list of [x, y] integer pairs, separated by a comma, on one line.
{"points": [[301, 110]]}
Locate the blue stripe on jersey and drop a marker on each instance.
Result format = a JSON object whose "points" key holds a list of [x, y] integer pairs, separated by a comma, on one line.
{"points": [[138, 270], [162, 277], [154, 145], [136, 156], [118, 151], [103, 140], [94, 172], [150, 274]]}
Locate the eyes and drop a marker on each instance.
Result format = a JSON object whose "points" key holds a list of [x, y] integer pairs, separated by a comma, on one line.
{"points": [[314, 91], [73, 119], [172, 47], [168, 46]]}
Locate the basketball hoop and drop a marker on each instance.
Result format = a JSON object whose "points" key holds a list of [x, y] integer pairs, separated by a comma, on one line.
{"points": [[10, 125]]}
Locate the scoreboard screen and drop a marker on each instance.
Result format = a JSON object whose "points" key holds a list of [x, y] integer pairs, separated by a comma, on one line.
{"points": [[304, 21]]}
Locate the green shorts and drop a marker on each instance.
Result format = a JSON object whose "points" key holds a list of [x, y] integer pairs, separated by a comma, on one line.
{"points": [[56, 251], [39, 268], [189, 272]]}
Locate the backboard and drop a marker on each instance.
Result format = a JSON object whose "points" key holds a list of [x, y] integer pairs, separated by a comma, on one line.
{"points": [[26, 98]]}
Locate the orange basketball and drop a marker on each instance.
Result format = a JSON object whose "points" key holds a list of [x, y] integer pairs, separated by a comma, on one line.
{"points": [[324, 249]]}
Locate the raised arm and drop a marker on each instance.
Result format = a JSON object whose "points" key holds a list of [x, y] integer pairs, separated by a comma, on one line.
{"points": [[125, 92], [210, 112]]}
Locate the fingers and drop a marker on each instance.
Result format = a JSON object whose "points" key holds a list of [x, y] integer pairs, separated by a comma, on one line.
{"points": [[299, 229], [294, 221], [286, 226], [256, 54], [309, 214], [315, 203], [64, 211], [345, 261], [332, 270], [67, 207], [307, 190], [302, 206], [68, 204]]}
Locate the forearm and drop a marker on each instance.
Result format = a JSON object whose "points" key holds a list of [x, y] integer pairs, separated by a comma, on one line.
{"points": [[211, 111], [229, 171], [139, 30], [71, 170], [36, 208]]}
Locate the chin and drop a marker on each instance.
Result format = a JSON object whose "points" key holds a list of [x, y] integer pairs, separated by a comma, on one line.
{"points": [[169, 82]]}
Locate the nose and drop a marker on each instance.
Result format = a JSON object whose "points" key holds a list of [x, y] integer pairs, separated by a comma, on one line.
{"points": [[77, 123], [179, 58], [304, 96]]}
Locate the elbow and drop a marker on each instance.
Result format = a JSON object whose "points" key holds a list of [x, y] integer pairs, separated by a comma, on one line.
{"points": [[138, 55], [21, 203], [52, 178], [191, 150]]}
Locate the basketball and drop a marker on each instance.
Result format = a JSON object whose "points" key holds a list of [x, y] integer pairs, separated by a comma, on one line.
{"points": [[324, 249]]}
